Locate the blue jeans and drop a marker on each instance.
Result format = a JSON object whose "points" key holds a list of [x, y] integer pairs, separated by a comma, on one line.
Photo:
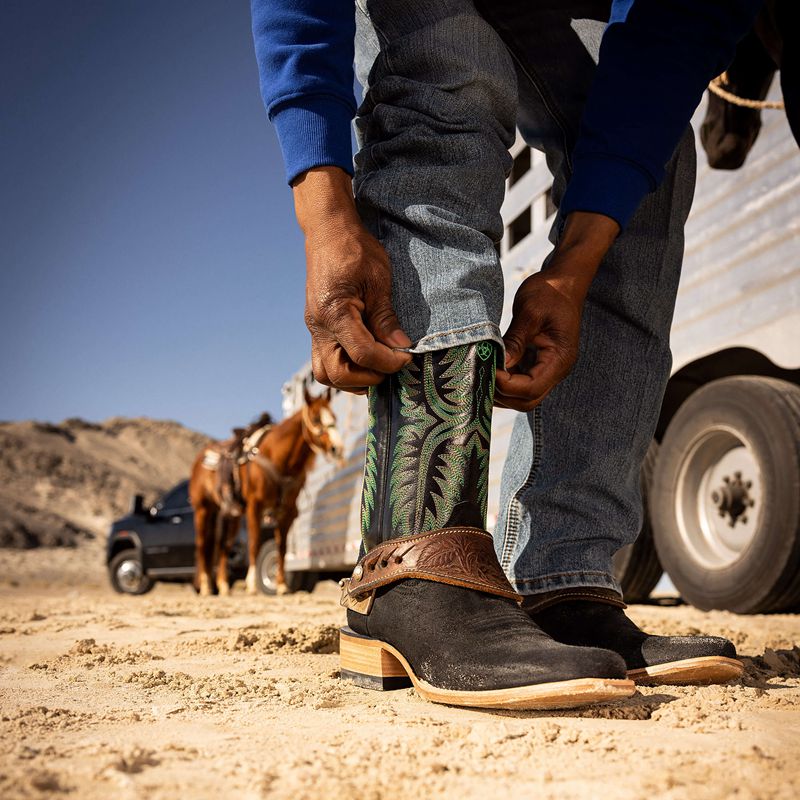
{"points": [[447, 82]]}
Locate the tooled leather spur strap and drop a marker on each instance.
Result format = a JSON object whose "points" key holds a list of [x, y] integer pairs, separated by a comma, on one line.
{"points": [[458, 556]]}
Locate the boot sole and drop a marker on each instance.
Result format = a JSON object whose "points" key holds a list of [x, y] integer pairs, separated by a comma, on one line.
{"points": [[706, 669], [373, 664]]}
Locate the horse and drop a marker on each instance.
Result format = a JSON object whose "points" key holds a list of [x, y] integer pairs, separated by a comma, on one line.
{"points": [[275, 460], [730, 129]]}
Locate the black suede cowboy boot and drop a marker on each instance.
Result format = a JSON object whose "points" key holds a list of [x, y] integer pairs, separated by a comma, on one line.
{"points": [[428, 604], [589, 617]]}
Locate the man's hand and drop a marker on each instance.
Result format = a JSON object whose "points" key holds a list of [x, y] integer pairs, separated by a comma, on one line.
{"points": [[543, 338], [348, 287]]}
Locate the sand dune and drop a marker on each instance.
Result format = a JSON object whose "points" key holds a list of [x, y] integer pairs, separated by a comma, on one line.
{"points": [[63, 484]]}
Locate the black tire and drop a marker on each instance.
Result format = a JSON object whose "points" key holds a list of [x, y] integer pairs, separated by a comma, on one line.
{"points": [[127, 575], [727, 521], [636, 566], [302, 581], [266, 566]]}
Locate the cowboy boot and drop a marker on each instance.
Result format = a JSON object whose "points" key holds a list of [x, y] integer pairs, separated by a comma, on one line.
{"points": [[589, 617], [428, 604]]}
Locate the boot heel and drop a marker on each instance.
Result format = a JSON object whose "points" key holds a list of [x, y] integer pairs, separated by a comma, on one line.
{"points": [[368, 664]]}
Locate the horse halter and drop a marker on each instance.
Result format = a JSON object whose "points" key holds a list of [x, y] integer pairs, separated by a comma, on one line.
{"points": [[313, 432]]}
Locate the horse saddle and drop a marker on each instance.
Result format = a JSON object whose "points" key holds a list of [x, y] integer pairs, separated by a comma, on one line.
{"points": [[224, 458]]}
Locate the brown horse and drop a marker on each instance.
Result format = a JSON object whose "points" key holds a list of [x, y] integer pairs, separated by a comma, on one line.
{"points": [[276, 459]]}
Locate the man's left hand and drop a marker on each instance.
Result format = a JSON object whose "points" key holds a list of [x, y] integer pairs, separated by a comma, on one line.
{"points": [[547, 317], [542, 341]]}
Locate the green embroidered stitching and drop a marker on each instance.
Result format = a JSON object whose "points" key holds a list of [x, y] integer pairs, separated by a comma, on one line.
{"points": [[485, 350], [370, 466], [446, 422]]}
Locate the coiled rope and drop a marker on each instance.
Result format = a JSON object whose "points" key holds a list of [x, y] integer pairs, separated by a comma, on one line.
{"points": [[716, 87]]}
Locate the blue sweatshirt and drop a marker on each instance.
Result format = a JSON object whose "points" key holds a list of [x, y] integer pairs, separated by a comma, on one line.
{"points": [[656, 58]]}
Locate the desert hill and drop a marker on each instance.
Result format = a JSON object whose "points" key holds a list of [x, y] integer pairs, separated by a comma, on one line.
{"points": [[63, 483]]}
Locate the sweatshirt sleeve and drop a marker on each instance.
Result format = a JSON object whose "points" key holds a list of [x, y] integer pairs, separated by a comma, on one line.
{"points": [[305, 51], [656, 59]]}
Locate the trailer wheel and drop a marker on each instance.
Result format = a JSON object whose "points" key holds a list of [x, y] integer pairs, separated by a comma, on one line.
{"points": [[726, 496], [267, 568], [636, 566]]}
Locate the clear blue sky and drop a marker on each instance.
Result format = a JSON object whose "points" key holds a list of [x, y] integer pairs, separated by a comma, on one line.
{"points": [[150, 263]]}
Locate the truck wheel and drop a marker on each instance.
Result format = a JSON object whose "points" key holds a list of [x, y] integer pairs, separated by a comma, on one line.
{"points": [[725, 498], [267, 568], [636, 566], [127, 575]]}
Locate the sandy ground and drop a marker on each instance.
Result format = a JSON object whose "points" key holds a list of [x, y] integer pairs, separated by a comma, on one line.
{"points": [[168, 696]]}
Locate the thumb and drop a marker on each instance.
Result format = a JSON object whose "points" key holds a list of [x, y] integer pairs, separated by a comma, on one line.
{"points": [[384, 325], [514, 340]]}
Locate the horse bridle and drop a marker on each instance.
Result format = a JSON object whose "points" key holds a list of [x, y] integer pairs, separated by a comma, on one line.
{"points": [[311, 430]]}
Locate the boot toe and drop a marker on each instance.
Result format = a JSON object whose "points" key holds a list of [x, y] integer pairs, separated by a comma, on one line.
{"points": [[595, 662], [666, 649]]}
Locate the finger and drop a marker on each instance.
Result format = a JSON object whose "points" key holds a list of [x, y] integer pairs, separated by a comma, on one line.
{"points": [[383, 322], [361, 346], [499, 402], [515, 384], [553, 364], [550, 369], [343, 373], [517, 338], [518, 403], [318, 365]]}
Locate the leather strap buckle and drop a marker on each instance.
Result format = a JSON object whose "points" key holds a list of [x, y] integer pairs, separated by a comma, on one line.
{"points": [[361, 604]]}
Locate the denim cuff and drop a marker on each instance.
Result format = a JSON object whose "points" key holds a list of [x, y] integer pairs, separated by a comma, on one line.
{"points": [[314, 131], [478, 332], [566, 580]]}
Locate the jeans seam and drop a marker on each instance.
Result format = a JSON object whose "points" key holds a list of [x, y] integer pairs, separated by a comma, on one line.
{"points": [[383, 38], [513, 509]]}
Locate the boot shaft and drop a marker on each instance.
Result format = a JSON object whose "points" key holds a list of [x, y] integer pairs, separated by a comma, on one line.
{"points": [[427, 445]]}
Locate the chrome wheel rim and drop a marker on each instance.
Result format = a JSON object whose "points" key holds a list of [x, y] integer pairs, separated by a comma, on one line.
{"points": [[268, 571], [719, 497], [129, 575]]}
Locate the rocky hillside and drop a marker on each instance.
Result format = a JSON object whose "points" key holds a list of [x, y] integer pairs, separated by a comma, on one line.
{"points": [[60, 484]]}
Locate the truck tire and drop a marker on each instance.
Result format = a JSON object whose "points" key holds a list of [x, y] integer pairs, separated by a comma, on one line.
{"points": [[266, 568], [127, 574], [725, 500], [636, 566]]}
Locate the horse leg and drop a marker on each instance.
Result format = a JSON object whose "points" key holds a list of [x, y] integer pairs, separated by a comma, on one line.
{"points": [[228, 531], [253, 541], [204, 536], [280, 574]]}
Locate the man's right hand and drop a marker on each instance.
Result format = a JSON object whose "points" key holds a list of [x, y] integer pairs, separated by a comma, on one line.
{"points": [[348, 287]]}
